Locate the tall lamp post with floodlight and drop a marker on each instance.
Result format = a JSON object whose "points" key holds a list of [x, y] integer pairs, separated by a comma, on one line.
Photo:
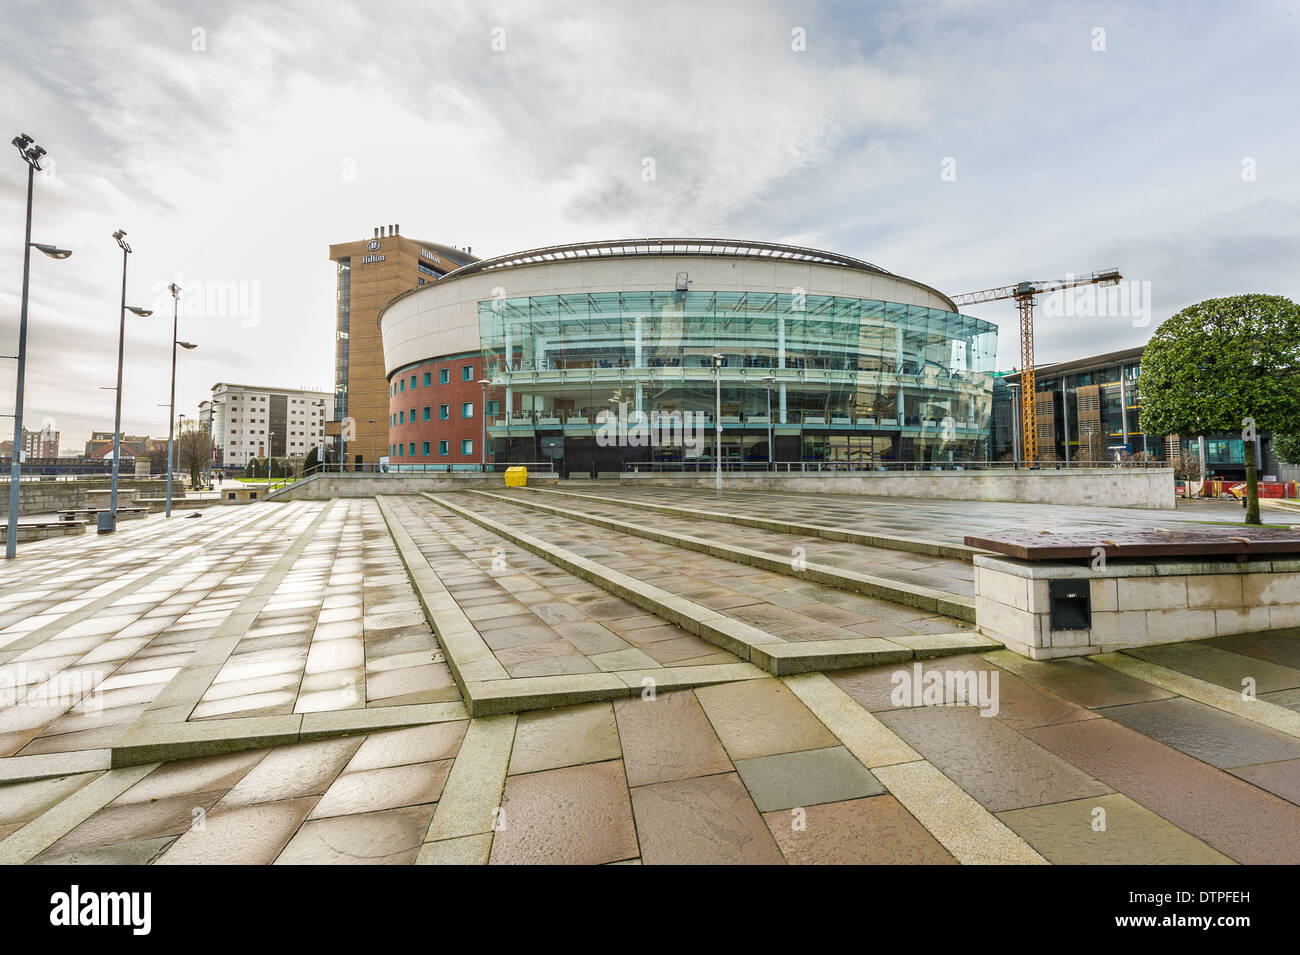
{"points": [[31, 154], [768, 382], [171, 415], [108, 522], [717, 413]]}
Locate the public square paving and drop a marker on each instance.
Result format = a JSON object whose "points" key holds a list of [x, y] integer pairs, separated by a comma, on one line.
{"points": [[292, 645], [940, 520]]}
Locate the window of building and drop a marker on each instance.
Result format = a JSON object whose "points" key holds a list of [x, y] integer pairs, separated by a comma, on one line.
{"points": [[399, 451], [424, 449], [412, 382], [427, 413], [492, 407], [444, 412], [442, 447], [401, 417], [403, 383], [467, 409], [444, 376], [412, 449], [467, 373], [428, 377], [412, 416], [467, 446]]}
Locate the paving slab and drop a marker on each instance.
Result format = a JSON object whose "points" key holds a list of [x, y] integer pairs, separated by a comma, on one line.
{"points": [[475, 782], [868, 739], [289, 772], [667, 738], [1238, 819], [806, 778], [966, 829], [244, 835], [1079, 680], [874, 831], [467, 850], [1281, 779], [39, 834], [1221, 667], [570, 736], [1211, 735], [761, 718], [706, 820], [1000, 768], [391, 837], [1108, 830], [577, 815]]}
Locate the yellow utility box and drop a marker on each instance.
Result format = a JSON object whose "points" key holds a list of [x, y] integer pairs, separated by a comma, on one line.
{"points": [[516, 477]]}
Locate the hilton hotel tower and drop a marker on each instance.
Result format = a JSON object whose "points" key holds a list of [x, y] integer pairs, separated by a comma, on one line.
{"points": [[370, 273]]}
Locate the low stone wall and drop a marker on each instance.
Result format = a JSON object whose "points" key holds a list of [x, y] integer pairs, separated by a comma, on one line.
{"points": [[46, 497], [1134, 603], [40, 532], [1098, 487], [322, 487]]}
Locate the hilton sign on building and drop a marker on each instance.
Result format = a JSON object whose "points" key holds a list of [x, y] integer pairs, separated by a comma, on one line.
{"points": [[370, 272]]}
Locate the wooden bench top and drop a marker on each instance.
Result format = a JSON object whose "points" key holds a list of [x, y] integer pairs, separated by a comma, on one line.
{"points": [[1237, 540], [98, 510]]}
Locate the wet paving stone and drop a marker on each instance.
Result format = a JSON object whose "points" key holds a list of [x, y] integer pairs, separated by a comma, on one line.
{"points": [[707, 820], [1281, 779], [1211, 735], [874, 831], [1238, 819], [761, 718], [578, 815], [1221, 667], [1000, 768], [1108, 830], [244, 835], [806, 778], [391, 837], [570, 736], [668, 738]]}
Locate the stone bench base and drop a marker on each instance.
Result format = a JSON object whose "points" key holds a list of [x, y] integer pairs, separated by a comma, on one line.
{"points": [[92, 513], [43, 530], [1134, 603], [157, 505]]}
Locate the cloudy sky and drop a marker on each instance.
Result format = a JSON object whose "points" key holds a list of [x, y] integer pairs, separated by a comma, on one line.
{"points": [[965, 145]]}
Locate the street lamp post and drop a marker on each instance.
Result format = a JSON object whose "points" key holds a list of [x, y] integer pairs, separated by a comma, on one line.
{"points": [[108, 523], [483, 431], [717, 414], [374, 437], [768, 381], [171, 415], [31, 154]]}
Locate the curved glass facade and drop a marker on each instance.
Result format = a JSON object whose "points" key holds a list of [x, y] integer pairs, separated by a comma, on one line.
{"points": [[850, 381]]}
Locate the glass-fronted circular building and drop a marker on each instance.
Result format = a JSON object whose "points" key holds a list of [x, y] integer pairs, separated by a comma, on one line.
{"points": [[601, 356]]}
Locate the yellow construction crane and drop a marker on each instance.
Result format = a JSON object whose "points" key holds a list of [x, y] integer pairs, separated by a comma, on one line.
{"points": [[1023, 293]]}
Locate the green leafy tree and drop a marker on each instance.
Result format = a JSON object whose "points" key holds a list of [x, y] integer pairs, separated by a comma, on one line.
{"points": [[1286, 447], [312, 461], [1220, 362]]}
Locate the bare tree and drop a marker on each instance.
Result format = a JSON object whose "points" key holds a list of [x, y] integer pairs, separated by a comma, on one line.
{"points": [[193, 449]]}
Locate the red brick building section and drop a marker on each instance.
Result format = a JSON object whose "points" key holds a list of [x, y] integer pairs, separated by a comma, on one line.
{"points": [[442, 386]]}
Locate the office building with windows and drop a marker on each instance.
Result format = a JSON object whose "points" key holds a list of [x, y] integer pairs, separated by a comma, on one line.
{"points": [[252, 421], [368, 274], [1088, 410], [860, 367]]}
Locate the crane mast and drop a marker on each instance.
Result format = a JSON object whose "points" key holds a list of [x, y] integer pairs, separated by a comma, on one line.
{"points": [[1023, 293]]}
